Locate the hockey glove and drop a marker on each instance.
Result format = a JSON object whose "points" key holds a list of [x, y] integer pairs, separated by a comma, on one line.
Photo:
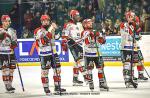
{"points": [[101, 40], [64, 45], [13, 45]]}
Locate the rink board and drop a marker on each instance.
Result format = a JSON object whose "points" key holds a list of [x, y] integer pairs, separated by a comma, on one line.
{"points": [[72, 63], [27, 55]]}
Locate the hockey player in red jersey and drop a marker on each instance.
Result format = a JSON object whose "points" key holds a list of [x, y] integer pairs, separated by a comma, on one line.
{"points": [[45, 40], [91, 42], [71, 38], [8, 42]]}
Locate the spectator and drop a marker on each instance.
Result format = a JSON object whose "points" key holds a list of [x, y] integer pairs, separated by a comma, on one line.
{"points": [[89, 11], [109, 27], [36, 21], [28, 16], [117, 27], [117, 12], [26, 33]]}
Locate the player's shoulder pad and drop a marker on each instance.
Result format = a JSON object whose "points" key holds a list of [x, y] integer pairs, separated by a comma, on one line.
{"points": [[36, 30], [68, 24], [11, 30]]}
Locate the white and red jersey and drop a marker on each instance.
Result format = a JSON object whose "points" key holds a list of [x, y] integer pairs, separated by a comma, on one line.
{"points": [[9, 42], [45, 40], [90, 48], [127, 31], [72, 31], [126, 37]]}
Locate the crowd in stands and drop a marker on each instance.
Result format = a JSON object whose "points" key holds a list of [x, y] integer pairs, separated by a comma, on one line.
{"points": [[109, 13]]}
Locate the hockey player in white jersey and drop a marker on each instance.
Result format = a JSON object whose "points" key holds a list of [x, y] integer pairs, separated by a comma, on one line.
{"points": [[8, 42], [71, 38], [45, 40], [92, 40]]}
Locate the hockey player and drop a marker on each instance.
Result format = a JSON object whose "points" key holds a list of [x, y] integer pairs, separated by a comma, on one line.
{"points": [[44, 38], [129, 35], [139, 64], [8, 42], [71, 39], [92, 41]]}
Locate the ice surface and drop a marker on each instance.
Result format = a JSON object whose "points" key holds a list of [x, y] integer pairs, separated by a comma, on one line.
{"points": [[33, 85]]}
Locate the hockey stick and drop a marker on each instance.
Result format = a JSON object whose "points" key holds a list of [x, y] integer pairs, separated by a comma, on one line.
{"points": [[20, 77], [132, 56], [75, 43], [146, 72], [53, 56], [21, 81], [142, 63]]}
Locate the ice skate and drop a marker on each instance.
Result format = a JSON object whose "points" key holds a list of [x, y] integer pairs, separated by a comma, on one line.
{"points": [[58, 90], [47, 91], [91, 85], [103, 86], [142, 78], [77, 83], [10, 90], [131, 84]]}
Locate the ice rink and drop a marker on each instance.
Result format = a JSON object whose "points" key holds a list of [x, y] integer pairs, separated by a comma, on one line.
{"points": [[33, 85]]}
